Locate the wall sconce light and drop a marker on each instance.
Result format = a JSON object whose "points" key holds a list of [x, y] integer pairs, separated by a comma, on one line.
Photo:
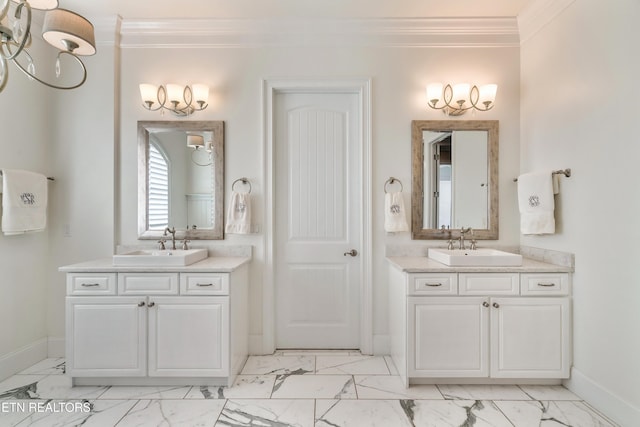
{"points": [[67, 31], [461, 97], [181, 101], [196, 141]]}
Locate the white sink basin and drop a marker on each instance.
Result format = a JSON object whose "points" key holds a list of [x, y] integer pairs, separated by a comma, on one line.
{"points": [[479, 257], [153, 257]]}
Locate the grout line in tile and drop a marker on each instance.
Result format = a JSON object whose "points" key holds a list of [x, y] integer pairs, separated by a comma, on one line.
{"points": [[502, 412], [315, 404], [609, 420], [355, 388], [101, 394], [226, 402], [522, 390], [440, 391], [386, 364]]}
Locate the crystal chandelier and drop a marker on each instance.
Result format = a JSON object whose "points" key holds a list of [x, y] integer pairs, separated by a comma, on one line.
{"points": [[70, 33]]}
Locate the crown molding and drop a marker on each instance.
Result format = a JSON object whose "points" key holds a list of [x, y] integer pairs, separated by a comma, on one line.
{"points": [[538, 14], [407, 32], [107, 29]]}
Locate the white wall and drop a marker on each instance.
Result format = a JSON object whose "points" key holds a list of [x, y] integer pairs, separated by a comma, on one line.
{"points": [[24, 144], [83, 161], [579, 110], [399, 77], [71, 136]]}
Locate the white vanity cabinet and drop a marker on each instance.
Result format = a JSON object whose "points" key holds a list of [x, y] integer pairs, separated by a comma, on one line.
{"points": [[106, 336], [157, 327], [188, 337], [483, 326]]}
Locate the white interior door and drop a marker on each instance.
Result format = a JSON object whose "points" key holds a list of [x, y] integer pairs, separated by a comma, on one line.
{"points": [[317, 207]]}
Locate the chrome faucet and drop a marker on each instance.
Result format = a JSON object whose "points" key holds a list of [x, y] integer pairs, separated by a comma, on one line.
{"points": [[172, 231], [462, 233], [450, 241], [474, 243]]}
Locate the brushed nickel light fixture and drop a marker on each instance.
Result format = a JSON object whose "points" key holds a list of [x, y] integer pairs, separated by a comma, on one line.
{"points": [[181, 101], [459, 98], [70, 33]]}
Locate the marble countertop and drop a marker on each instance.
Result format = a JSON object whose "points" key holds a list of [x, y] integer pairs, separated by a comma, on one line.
{"points": [[208, 265], [423, 264]]}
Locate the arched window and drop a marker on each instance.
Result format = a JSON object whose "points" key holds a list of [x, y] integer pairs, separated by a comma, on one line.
{"points": [[158, 188]]}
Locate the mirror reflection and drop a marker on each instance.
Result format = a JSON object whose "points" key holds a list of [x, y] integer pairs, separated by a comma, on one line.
{"points": [[181, 175], [455, 178]]}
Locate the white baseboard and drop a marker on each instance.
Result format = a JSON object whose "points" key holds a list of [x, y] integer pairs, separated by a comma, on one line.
{"points": [[381, 346], [255, 344], [612, 406], [55, 347], [22, 358]]}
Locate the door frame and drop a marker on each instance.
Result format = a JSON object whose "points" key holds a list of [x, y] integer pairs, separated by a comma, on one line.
{"points": [[361, 87]]}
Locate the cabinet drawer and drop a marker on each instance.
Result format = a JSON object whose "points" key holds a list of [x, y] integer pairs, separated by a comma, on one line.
{"points": [[148, 283], [489, 283], [91, 283], [544, 284], [433, 284], [204, 284]]}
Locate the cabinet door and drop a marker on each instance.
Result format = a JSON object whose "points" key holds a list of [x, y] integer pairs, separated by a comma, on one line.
{"points": [[188, 336], [448, 337], [530, 337], [106, 336]]}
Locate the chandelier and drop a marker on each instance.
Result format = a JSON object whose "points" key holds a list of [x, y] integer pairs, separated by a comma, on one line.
{"points": [[459, 98], [70, 33], [201, 149]]}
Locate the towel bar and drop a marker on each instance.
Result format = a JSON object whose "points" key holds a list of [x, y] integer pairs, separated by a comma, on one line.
{"points": [[392, 180], [49, 178], [565, 172]]}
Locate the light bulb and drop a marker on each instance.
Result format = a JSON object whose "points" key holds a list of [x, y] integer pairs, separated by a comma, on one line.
{"points": [[434, 93]]}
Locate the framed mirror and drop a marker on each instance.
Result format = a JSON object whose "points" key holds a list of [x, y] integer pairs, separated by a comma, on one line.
{"points": [[455, 178], [181, 179]]}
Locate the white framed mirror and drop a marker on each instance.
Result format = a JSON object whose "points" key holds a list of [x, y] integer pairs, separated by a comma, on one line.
{"points": [[455, 178], [181, 179]]}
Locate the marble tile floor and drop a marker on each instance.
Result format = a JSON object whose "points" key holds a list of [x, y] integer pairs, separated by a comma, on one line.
{"points": [[290, 389]]}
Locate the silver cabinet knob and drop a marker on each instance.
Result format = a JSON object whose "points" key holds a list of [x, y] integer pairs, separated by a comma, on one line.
{"points": [[352, 252], [485, 304], [496, 305], [141, 304], [151, 304]]}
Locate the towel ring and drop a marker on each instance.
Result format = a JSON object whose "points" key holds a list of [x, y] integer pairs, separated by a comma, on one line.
{"points": [[391, 181], [244, 181]]}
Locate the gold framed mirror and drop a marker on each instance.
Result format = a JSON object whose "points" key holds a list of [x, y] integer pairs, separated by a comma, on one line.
{"points": [[455, 178]]}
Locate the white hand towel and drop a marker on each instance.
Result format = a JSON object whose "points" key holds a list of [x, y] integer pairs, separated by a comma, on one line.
{"points": [[24, 201], [239, 214], [536, 204], [395, 217]]}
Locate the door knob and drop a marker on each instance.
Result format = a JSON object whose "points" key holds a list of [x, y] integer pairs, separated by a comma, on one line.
{"points": [[352, 252]]}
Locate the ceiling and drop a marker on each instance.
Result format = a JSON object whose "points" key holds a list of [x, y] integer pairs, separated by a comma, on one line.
{"points": [[256, 9]]}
